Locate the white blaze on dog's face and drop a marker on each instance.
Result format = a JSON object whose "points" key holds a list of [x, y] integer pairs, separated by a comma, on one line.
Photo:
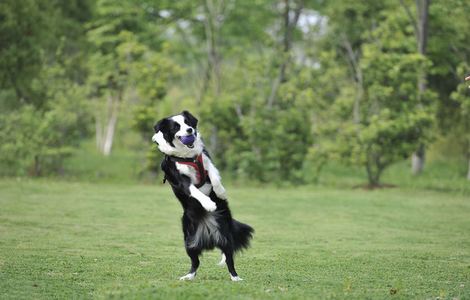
{"points": [[186, 130], [178, 135]]}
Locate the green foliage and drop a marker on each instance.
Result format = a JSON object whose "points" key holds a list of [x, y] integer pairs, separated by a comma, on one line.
{"points": [[33, 35], [25, 34], [273, 146], [44, 114], [36, 142], [276, 100], [249, 139], [384, 117], [462, 120], [128, 72]]}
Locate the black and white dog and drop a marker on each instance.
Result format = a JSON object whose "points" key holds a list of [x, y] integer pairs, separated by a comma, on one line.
{"points": [[207, 221]]}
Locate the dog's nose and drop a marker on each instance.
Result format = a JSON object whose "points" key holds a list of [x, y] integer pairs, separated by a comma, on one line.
{"points": [[189, 130]]}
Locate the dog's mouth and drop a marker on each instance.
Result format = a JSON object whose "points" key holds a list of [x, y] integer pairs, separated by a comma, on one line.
{"points": [[188, 140]]}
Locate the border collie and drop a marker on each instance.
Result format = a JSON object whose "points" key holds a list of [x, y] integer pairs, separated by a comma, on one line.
{"points": [[207, 220]]}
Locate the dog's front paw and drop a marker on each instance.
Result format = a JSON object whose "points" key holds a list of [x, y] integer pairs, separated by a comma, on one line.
{"points": [[219, 190], [189, 276], [209, 205], [235, 278]]}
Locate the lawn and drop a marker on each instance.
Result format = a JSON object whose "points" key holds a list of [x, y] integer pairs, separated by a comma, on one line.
{"points": [[83, 240]]}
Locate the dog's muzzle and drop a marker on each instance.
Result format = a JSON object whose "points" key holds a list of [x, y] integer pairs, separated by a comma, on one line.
{"points": [[188, 140]]}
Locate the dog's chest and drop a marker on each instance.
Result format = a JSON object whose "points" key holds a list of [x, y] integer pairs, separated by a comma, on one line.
{"points": [[192, 174]]}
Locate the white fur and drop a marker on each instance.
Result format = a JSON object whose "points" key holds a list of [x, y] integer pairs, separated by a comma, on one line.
{"points": [[235, 278], [206, 188], [179, 150], [189, 276], [188, 171], [222, 260], [205, 201], [214, 177], [183, 126]]}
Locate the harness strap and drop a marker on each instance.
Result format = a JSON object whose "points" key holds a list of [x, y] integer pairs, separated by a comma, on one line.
{"points": [[196, 163]]}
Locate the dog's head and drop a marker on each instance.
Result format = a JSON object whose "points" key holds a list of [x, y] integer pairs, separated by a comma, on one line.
{"points": [[178, 135]]}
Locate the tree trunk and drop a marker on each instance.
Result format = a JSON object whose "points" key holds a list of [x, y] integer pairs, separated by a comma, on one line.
{"points": [[289, 27], [105, 123], [109, 137], [111, 125], [420, 26], [353, 59], [98, 132], [468, 170], [371, 176], [37, 166], [422, 9], [417, 160], [468, 158], [213, 20], [214, 16], [375, 166]]}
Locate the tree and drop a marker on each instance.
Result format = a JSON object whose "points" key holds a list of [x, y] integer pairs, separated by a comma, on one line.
{"points": [[290, 17], [26, 32], [269, 138], [462, 96], [43, 115], [420, 26], [380, 120], [36, 142], [449, 52], [121, 65]]}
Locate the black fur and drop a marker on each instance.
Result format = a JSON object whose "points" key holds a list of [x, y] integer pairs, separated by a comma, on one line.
{"points": [[168, 128], [232, 235], [189, 119]]}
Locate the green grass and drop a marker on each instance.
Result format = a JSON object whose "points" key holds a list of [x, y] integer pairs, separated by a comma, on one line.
{"points": [[81, 240], [438, 175]]}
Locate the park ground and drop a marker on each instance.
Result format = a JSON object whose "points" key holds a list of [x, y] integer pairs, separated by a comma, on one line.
{"points": [[68, 240]]}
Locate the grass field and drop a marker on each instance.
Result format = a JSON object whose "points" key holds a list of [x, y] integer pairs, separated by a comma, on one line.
{"points": [[83, 240]]}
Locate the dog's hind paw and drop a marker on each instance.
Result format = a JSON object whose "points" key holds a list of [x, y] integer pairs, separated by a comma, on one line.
{"points": [[235, 278], [189, 276]]}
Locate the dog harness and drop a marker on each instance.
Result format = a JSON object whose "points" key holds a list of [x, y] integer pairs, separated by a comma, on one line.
{"points": [[196, 163]]}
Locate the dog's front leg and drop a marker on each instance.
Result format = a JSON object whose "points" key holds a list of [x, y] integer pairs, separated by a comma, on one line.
{"points": [[205, 201], [183, 182], [214, 176], [219, 190]]}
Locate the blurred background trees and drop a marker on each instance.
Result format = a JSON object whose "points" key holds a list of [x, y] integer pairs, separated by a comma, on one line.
{"points": [[283, 88]]}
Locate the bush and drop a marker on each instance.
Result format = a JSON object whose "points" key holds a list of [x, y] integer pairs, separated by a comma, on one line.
{"points": [[36, 142]]}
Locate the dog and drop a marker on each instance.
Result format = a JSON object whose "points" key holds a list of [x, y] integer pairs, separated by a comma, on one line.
{"points": [[207, 220]]}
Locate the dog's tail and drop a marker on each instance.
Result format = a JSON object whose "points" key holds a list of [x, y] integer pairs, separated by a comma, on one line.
{"points": [[242, 234]]}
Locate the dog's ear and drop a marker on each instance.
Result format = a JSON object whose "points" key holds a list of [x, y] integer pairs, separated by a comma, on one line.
{"points": [[161, 125], [164, 127], [192, 121]]}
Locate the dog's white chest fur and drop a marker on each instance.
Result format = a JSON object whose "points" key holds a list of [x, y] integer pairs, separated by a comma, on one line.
{"points": [[192, 174]]}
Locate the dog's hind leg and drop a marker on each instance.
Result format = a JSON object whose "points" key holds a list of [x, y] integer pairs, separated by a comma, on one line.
{"points": [[222, 260], [230, 264], [194, 255]]}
